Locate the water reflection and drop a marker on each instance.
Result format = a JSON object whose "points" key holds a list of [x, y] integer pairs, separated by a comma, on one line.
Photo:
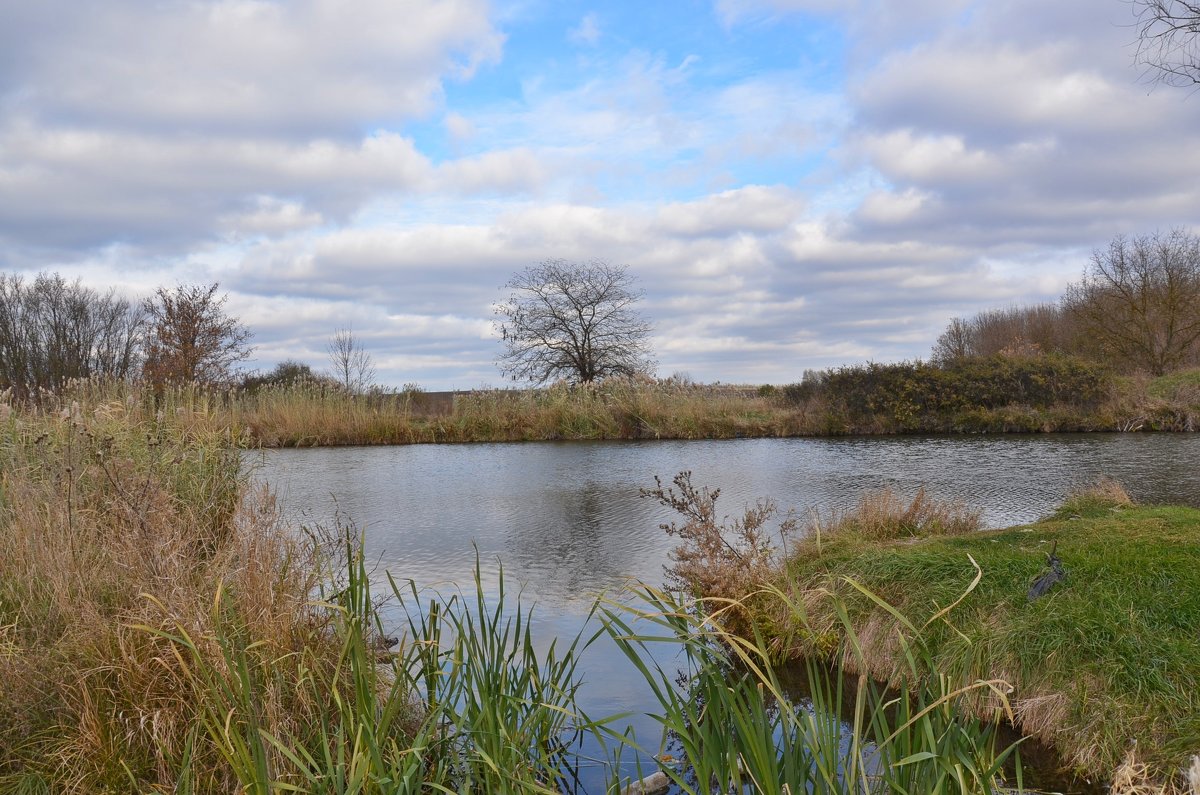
{"points": [[567, 521]]}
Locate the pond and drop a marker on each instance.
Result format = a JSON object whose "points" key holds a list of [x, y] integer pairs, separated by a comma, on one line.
{"points": [[567, 522]]}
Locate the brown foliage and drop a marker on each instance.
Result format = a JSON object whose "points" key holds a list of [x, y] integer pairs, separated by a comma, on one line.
{"points": [[112, 522], [190, 338], [718, 557], [1013, 331]]}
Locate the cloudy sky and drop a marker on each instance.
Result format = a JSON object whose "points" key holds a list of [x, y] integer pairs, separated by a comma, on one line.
{"points": [[795, 183]]}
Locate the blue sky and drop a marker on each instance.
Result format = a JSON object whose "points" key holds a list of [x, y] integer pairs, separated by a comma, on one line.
{"points": [[795, 183]]}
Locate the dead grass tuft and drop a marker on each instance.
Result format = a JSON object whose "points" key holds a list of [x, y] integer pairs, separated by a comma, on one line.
{"points": [[1133, 777], [1042, 714], [883, 515], [1106, 490]]}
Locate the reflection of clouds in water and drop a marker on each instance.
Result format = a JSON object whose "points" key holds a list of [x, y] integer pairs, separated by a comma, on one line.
{"points": [[566, 520]]}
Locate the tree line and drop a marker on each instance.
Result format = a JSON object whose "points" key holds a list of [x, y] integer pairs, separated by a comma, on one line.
{"points": [[1136, 308], [53, 331]]}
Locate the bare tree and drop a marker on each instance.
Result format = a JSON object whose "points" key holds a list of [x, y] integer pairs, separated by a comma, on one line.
{"points": [[351, 364], [1014, 331], [572, 320], [1139, 300], [955, 342], [52, 330], [191, 338], [1169, 40]]}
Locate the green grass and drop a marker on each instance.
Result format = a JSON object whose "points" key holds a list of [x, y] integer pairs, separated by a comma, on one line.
{"points": [[1175, 384], [733, 728], [1106, 662]]}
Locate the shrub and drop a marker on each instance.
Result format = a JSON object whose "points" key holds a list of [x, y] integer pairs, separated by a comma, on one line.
{"points": [[919, 396]]}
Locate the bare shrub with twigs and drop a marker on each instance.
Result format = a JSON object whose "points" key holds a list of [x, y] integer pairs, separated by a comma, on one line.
{"points": [[719, 556]]}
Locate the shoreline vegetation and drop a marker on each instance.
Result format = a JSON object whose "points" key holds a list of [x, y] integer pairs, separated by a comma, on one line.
{"points": [[1104, 667], [162, 630], [990, 395], [996, 394]]}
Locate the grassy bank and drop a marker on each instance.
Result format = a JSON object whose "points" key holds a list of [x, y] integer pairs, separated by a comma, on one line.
{"points": [[112, 519], [1105, 667], [162, 630], [994, 395]]}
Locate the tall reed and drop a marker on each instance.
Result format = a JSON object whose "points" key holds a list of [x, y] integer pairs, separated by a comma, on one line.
{"points": [[465, 704], [104, 499], [733, 727]]}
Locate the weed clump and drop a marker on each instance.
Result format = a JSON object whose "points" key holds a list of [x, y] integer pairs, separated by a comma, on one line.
{"points": [[115, 516], [1097, 499], [718, 557], [883, 515]]}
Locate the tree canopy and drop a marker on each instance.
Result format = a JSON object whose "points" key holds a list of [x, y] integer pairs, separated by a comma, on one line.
{"points": [[190, 337], [1139, 300], [576, 321], [53, 330]]}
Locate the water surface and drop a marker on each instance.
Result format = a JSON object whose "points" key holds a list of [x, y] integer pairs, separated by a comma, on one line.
{"points": [[567, 521]]}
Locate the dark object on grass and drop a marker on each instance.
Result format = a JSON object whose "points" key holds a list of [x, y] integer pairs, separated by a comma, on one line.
{"points": [[1048, 579]]}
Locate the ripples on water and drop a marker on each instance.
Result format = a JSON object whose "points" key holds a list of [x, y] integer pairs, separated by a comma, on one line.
{"points": [[567, 521]]}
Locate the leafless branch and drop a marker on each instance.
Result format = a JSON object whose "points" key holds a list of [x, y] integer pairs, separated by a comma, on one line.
{"points": [[572, 320], [1169, 40], [351, 364]]}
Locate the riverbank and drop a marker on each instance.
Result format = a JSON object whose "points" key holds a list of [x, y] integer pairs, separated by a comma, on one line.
{"points": [[161, 630], [999, 396], [1105, 666]]}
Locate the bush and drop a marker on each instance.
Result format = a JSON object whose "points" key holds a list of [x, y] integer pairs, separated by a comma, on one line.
{"points": [[919, 396]]}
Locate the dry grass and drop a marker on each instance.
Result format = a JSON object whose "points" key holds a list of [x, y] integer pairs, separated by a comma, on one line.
{"points": [[1099, 498], [1134, 777], [1105, 490], [312, 413], [307, 414], [115, 517], [883, 515]]}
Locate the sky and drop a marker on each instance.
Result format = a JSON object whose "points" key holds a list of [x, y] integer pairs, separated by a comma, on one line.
{"points": [[794, 184]]}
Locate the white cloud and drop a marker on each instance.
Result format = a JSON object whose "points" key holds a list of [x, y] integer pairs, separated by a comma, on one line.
{"points": [[249, 66], [886, 207], [270, 215], [587, 32], [971, 154], [459, 127]]}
